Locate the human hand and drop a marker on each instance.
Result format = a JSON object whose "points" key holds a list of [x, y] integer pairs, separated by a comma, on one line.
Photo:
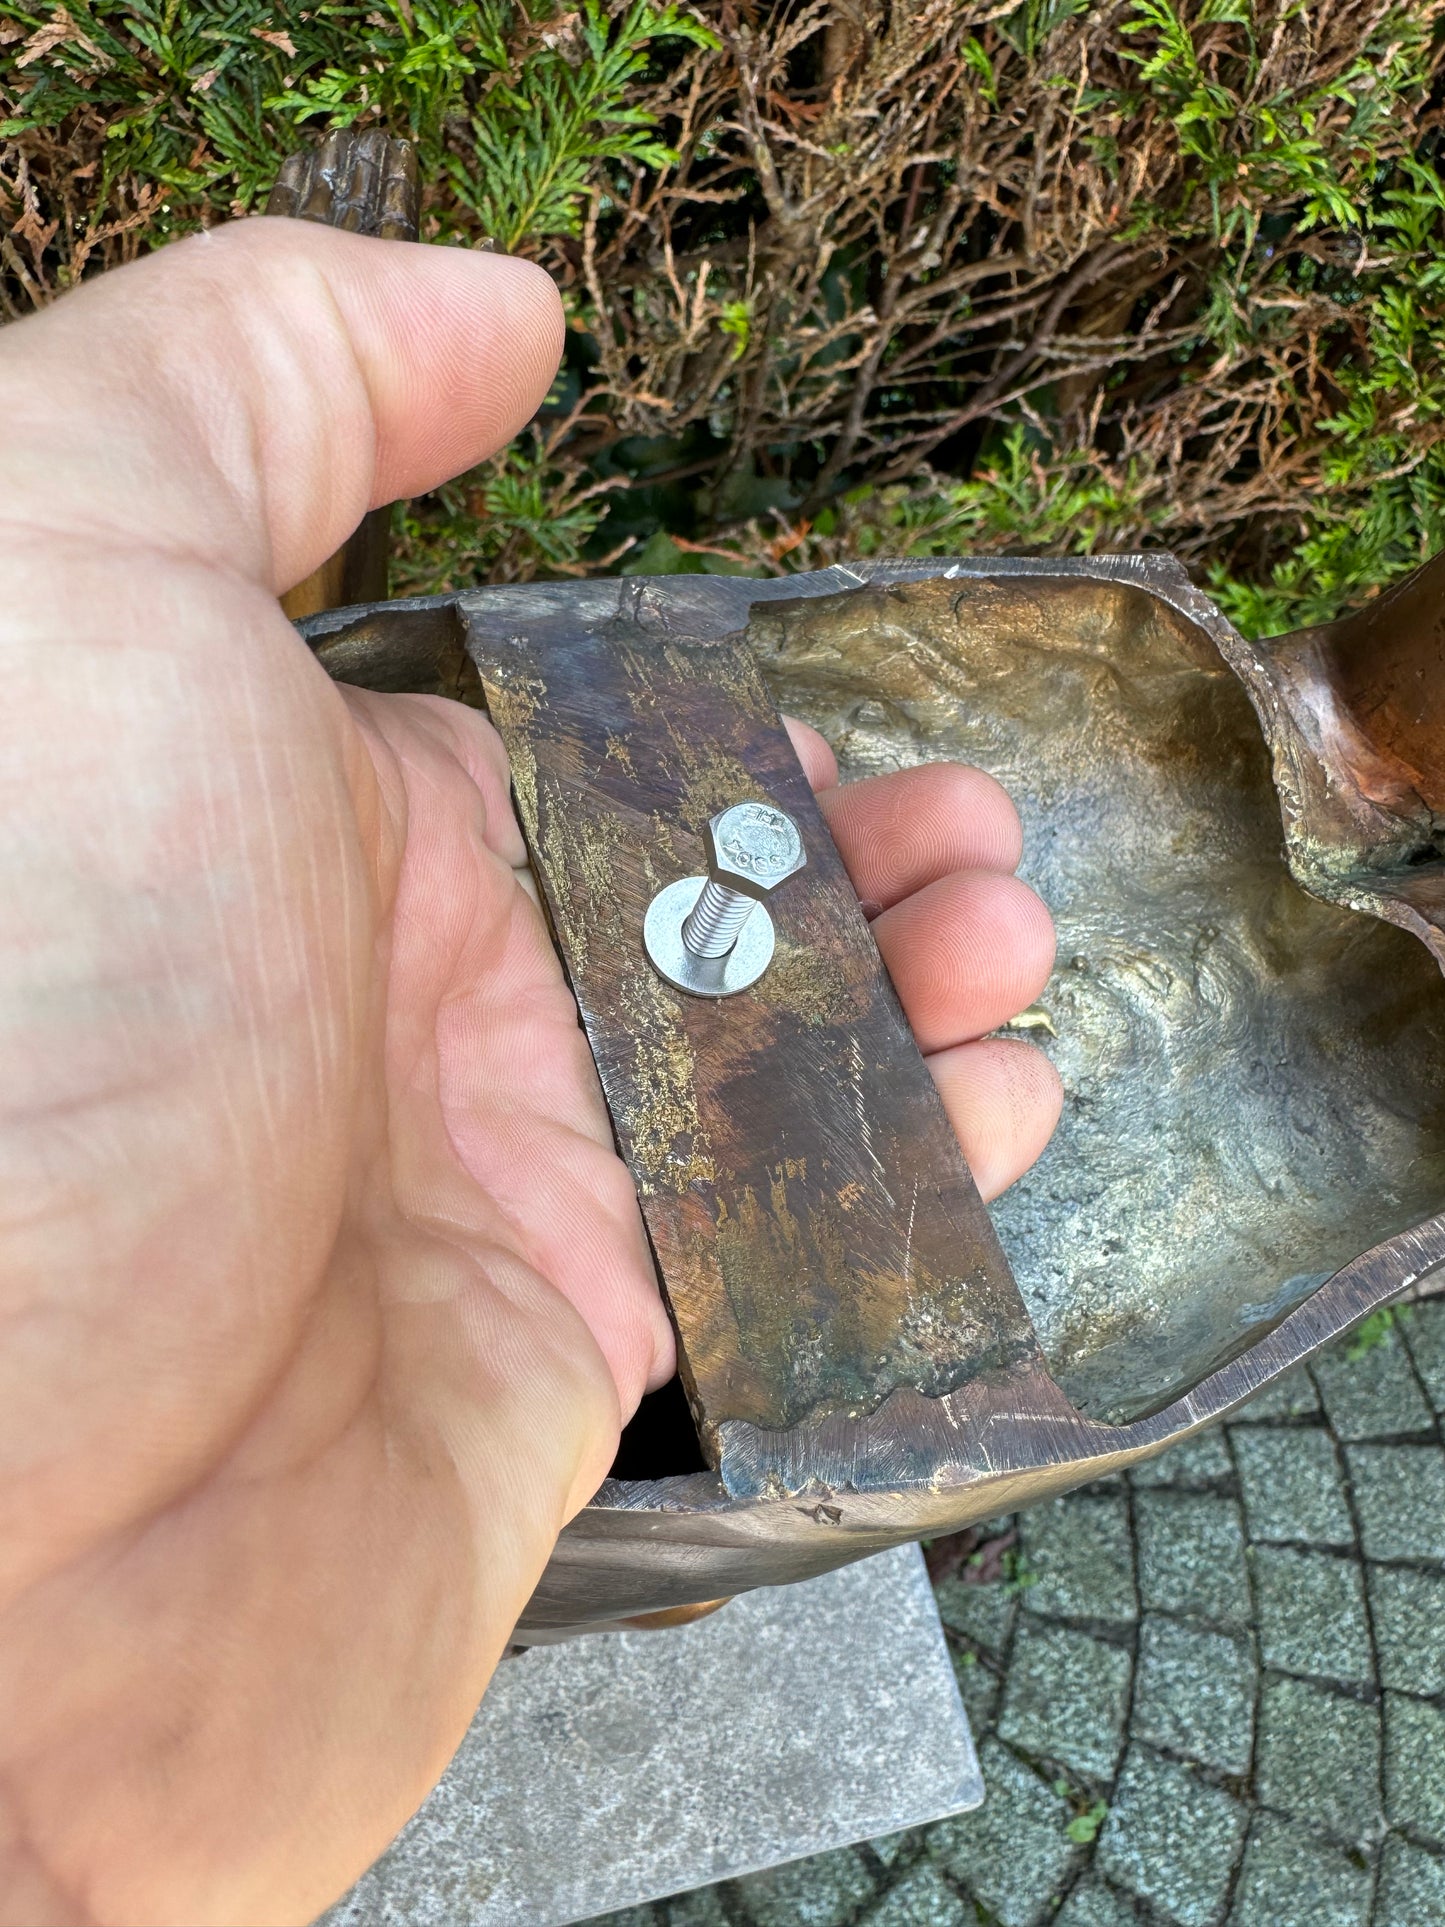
{"points": [[323, 1292]]}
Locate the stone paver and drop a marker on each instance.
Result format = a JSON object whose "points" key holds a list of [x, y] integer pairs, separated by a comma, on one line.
{"points": [[1191, 1555], [922, 1899], [1171, 1838], [1290, 1873], [1065, 1698], [1374, 1395], [1400, 1498], [979, 1684], [1194, 1694], [1318, 1758], [898, 1849], [1012, 1854], [1213, 1704], [1199, 1461], [1409, 1613], [1415, 1767], [826, 1891], [1081, 1554], [1291, 1482], [1092, 1904], [702, 1909], [1412, 1886], [984, 1615], [1422, 1327], [1311, 1614]]}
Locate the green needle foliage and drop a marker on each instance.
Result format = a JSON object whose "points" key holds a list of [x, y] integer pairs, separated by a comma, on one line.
{"points": [[849, 279], [512, 107]]}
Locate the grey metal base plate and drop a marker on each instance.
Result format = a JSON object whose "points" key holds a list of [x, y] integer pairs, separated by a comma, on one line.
{"points": [[625, 1766]]}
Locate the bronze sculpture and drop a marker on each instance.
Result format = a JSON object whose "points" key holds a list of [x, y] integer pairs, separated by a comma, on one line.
{"points": [[1254, 1155]]}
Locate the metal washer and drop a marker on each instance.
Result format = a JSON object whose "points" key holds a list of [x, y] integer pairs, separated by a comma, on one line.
{"points": [[703, 976]]}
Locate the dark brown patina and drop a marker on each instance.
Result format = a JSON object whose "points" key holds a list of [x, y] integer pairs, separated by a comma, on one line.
{"points": [[820, 1238], [862, 1367]]}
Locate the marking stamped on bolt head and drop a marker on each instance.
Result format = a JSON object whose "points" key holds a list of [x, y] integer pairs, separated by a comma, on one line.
{"points": [[754, 847], [711, 936]]}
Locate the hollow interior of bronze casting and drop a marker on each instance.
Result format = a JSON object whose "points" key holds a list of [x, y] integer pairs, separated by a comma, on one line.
{"points": [[1253, 1077]]}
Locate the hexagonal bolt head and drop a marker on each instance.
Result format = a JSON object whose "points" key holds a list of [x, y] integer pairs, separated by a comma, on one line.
{"points": [[752, 848]]}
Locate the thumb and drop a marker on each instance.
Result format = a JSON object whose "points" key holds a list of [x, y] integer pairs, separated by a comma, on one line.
{"points": [[246, 395]]}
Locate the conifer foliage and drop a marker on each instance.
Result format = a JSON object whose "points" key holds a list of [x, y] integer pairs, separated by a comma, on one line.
{"points": [[849, 276]]}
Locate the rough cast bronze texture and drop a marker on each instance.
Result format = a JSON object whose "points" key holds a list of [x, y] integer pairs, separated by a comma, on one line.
{"points": [[364, 183], [1253, 1073]]}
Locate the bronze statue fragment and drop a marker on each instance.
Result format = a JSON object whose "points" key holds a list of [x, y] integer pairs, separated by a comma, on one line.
{"points": [[1253, 1157], [1241, 844]]}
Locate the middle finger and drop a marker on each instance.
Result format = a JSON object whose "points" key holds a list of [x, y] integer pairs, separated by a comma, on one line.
{"points": [[899, 832], [965, 954]]}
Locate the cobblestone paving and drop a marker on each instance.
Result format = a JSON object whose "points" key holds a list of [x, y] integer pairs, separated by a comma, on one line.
{"points": [[1207, 1694]]}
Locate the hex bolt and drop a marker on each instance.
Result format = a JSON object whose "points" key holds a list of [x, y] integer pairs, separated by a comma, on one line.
{"points": [[751, 849], [712, 936], [714, 921]]}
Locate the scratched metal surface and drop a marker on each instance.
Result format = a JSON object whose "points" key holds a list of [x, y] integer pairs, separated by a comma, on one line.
{"points": [[1327, 1023], [1247, 1110], [818, 1233]]}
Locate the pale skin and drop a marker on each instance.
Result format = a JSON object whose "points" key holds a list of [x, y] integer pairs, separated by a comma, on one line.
{"points": [[322, 1293]]}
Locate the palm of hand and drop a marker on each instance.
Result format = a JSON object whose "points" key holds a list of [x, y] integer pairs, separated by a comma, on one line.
{"points": [[324, 1291]]}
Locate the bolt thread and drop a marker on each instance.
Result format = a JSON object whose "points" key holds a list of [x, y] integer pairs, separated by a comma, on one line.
{"points": [[711, 927]]}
